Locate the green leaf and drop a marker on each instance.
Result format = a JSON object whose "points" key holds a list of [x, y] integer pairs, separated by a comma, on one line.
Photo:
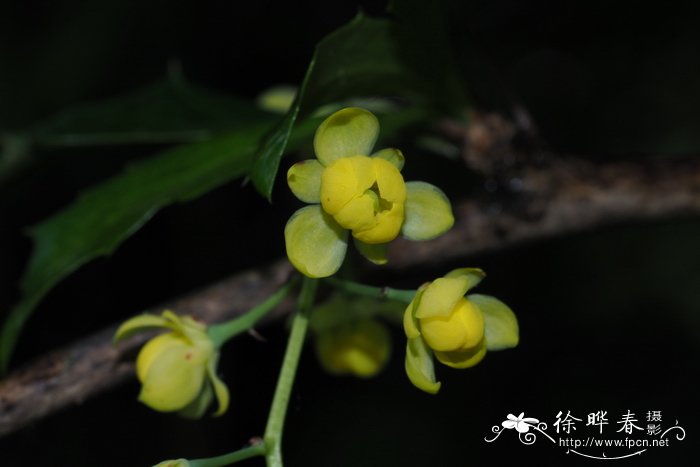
{"points": [[106, 215], [267, 160], [358, 58], [500, 321], [370, 56], [168, 111]]}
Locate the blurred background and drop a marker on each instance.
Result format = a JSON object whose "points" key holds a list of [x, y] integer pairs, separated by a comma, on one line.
{"points": [[609, 319]]}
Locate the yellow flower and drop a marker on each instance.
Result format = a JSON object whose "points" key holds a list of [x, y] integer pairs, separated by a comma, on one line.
{"points": [[360, 347], [354, 190], [457, 329], [177, 369], [365, 195]]}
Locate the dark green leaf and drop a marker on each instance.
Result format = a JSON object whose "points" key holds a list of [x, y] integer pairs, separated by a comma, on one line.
{"points": [[267, 160], [356, 59], [103, 217], [169, 111], [406, 58]]}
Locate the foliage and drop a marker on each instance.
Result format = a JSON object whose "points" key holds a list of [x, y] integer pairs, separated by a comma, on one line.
{"points": [[366, 57]]}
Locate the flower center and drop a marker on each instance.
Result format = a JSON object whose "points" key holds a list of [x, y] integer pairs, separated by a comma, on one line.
{"points": [[380, 204], [365, 195]]}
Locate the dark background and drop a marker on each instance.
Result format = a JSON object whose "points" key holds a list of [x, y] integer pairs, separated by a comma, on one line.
{"points": [[608, 318]]}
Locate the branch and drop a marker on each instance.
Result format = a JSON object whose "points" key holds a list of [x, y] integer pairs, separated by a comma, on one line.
{"points": [[550, 197], [561, 196]]}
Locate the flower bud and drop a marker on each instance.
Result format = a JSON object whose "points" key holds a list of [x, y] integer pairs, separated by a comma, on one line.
{"points": [[457, 329], [177, 369], [360, 348]]}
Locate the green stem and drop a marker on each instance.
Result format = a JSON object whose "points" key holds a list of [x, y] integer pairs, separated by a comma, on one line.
{"points": [[280, 401], [223, 332], [231, 457], [373, 292]]}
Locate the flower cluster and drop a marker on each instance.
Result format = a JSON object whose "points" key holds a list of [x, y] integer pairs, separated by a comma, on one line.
{"points": [[354, 190], [177, 369], [457, 329]]}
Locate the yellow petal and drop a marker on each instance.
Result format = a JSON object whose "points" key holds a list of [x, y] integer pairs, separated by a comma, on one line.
{"points": [[441, 296], [386, 228], [419, 366], [392, 187], [347, 132], [316, 244], [375, 253], [463, 358], [394, 156], [304, 179], [358, 214], [428, 212], [345, 180], [173, 379], [139, 323], [462, 329]]}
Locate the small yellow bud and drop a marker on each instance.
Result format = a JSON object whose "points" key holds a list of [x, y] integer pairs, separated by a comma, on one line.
{"points": [[360, 348], [462, 329], [177, 369]]}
